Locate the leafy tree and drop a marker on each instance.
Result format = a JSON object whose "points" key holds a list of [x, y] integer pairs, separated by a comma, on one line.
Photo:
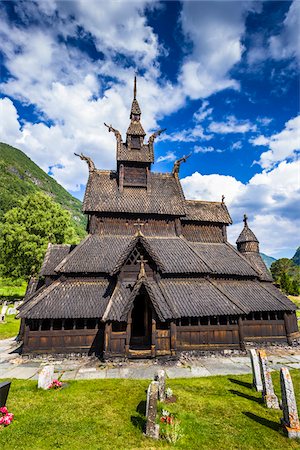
{"points": [[26, 231], [287, 274]]}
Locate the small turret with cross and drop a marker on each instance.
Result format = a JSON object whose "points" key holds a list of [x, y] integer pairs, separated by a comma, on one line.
{"points": [[139, 224]]}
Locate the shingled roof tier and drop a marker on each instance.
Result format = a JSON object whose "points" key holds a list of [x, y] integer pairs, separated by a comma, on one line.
{"points": [[172, 255], [54, 255], [163, 195], [81, 298], [257, 263], [144, 154], [201, 211], [246, 235]]}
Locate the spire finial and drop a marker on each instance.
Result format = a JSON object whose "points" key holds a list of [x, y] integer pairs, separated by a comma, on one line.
{"points": [[134, 88], [245, 220]]}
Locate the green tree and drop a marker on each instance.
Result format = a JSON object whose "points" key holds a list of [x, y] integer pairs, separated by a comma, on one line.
{"points": [[279, 267], [26, 231]]}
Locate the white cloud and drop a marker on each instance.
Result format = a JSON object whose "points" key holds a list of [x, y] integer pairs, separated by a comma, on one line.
{"points": [[215, 31], [210, 149], [203, 112], [9, 125], [282, 145], [237, 145], [287, 43], [168, 157], [189, 135], [270, 199], [232, 125]]}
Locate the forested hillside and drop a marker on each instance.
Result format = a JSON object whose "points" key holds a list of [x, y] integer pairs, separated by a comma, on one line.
{"points": [[296, 257], [20, 176]]}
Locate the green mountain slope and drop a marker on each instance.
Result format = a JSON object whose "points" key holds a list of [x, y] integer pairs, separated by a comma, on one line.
{"points": [[19, 176], [268, 260], [296, 257]]}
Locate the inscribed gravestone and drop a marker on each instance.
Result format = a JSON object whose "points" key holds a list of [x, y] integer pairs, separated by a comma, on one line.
{"points": [[152, 428], [268, 395], [160, 377], [289, 407], [4, 390], [46, 377], [257, 382]]}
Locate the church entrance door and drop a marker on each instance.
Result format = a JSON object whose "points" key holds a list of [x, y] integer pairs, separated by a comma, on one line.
{"points": [[141, 323]]}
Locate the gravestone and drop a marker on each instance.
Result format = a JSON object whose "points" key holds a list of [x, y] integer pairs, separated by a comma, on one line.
{"points": [[160, 377], [152, 428], [3, 312], [268, 395], [257, 382], [46, 376], [11, 311], [290, 419], [4, 390]]}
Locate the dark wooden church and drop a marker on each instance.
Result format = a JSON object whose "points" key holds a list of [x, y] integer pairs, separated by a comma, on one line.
{"points": [[155, 275]]}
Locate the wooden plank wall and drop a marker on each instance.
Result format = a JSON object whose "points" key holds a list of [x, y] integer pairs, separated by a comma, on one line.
{"points": [[193, 337]]}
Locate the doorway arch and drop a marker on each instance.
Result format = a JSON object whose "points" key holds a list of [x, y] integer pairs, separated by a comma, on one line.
{"points": [[141, 322]]}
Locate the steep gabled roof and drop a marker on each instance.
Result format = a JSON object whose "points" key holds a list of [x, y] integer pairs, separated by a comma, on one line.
{"points": [[204, 211], [257, 263], [54, 255], [144, 154], [223, 259], [69, 299], [163, 195]]}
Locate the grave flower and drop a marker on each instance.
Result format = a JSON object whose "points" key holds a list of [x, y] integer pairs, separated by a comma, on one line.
{"points": [[56, 384], [5, 418]]}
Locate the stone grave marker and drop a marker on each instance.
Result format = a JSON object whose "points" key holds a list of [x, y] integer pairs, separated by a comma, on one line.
{"points": [[11, 311], [4, 390], [257, 382], [290, 419], [46, 376], [152, 428], [3, 312], [268, 395], [160, 377]]}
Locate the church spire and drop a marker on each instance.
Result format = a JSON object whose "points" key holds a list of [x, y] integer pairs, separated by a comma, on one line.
{"points": [[135, 129], [247, 241]]}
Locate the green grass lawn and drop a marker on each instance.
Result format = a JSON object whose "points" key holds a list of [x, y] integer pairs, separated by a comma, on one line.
{"points": [[9, 328], [215, 413], [296, 300]]}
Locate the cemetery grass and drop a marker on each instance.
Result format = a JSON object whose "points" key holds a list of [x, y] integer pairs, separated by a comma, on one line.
{"points": [[220, 412], [10, 328]]}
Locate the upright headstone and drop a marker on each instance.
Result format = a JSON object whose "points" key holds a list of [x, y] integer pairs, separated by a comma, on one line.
{"points": [[4, 390], [152, 428], [290, 419], [3, 312], [46, 376], [160, 377], [268, 395], [11, 311], [257, 383]]}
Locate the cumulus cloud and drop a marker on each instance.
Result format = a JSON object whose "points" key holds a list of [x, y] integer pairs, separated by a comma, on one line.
{"points": [[270, 199], [215, 30], [168, 157], [282, 145], [232, 125]]}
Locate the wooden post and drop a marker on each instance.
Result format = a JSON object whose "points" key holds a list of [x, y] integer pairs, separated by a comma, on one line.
{"points": [[107, 336], [173, 332], [153, 339], [128, 335], [241, 333], [287, 328]]}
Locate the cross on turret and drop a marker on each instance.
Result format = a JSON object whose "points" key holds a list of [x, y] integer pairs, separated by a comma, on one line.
{"points": [[245, 220]]}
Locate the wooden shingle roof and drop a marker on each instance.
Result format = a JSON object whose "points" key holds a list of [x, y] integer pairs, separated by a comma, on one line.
{"points": [[164, 195], [69, 299], [54, 255], [201, 211], [144, 154]]}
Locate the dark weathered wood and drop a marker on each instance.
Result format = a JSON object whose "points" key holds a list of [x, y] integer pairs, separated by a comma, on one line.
{"points": [[173, 337], [241, 333], [153, 338]]}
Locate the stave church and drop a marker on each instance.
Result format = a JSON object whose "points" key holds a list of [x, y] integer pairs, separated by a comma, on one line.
{"points": [[155, 275]]}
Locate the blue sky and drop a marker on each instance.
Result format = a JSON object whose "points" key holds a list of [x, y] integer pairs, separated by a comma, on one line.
{"points": [[222, 77]]}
